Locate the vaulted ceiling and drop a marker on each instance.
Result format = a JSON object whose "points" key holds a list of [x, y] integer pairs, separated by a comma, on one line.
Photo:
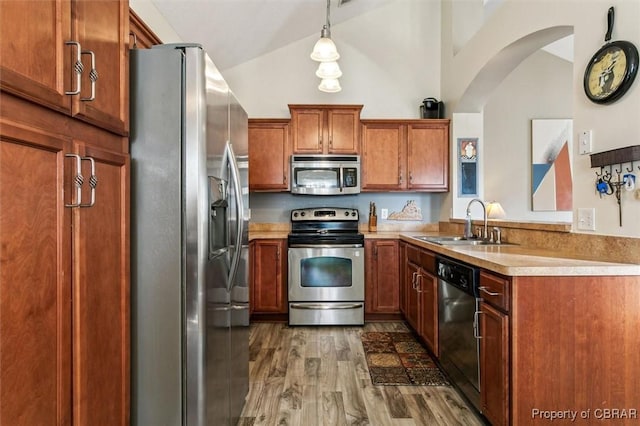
{"points": [[236, 31]]}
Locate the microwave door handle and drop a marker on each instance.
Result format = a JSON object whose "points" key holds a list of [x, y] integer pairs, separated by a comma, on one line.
{"points": [[340, 177], [235, 175]]}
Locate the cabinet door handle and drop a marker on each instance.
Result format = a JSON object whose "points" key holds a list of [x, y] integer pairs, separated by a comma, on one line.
{"points": [[400, 178], [419, 283], [93, 75], [330, 142], [410, 177], [413, 280], [77, 67], [484, 290], [93, 182], [135, 39], [78, 180]]}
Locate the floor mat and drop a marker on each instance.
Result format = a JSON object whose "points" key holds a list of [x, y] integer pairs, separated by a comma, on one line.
{"points": [[398, 359]]}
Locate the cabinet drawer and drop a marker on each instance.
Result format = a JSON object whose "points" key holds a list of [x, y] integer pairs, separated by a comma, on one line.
{"points": [[428, 261], [495, 290], [413, 254]]}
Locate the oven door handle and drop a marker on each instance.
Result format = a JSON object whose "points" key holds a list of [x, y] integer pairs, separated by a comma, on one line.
{"points": [[314, 306]]}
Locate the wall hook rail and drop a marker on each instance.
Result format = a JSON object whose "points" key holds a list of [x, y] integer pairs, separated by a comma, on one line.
{"points": [[614, 161]]}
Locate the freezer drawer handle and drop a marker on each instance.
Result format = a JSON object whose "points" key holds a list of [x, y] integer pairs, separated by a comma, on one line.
{"points": [[77, 68], [93, 75], [314, 306]]}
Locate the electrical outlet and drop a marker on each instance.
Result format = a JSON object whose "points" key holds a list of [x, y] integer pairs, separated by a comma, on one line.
{"points": [[587, 219], [384, 213]]}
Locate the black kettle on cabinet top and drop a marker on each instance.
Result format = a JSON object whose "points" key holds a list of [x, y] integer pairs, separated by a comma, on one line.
{"points": [[432, 108]]}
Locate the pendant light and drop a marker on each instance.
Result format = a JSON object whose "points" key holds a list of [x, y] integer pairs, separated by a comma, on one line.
{"points": [[329, 85], [326, 53], [325, 49], [328, 70]]}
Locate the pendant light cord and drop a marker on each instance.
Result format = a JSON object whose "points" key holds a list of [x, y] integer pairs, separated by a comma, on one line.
{"points": [[328, 18]]}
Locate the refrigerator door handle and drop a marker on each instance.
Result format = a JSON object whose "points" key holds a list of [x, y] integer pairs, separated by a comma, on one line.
{"points": [[235, 175]]}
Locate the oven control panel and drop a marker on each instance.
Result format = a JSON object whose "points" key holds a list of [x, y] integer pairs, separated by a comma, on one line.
{"points": [[322, 214]]}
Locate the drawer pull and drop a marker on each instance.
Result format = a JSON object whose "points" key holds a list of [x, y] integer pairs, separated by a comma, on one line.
{"points": [[484, 290]]}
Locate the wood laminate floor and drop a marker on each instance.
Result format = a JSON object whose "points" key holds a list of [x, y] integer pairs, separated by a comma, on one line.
{"points": [[318, 376]]}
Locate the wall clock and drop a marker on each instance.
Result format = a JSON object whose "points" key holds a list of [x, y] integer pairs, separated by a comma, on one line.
{"points": [[612, 69]]}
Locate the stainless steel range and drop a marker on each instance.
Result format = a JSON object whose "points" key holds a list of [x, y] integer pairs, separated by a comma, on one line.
{"points": [[326, 267]]}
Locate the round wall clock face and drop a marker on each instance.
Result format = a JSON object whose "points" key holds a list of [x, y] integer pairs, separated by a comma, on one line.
{"points": [[611, 72]]}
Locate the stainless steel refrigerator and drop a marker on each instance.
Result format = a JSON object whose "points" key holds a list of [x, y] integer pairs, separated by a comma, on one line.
{"points": [[189, 252]]}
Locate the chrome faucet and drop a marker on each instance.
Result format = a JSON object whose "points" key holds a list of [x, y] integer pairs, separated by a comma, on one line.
{"points": [[468, 233]]}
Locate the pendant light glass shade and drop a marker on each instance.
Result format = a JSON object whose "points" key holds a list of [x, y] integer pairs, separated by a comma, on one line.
{"points": [[330, 85], [325, 50], [329, 70]]}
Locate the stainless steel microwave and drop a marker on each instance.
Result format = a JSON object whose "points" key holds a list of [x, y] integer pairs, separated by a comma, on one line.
{"points": [[325, 174]]}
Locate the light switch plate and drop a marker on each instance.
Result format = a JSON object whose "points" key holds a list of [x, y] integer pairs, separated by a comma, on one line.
{"points": [[587, 219], [384, 213], [586, 142]]}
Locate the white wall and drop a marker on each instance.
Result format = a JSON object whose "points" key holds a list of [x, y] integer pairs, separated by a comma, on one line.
{"points": [[513, 28], [521, 97]]}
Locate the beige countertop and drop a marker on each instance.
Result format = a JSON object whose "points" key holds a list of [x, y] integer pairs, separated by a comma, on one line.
{"points": [[512, 260], [517, 260]]}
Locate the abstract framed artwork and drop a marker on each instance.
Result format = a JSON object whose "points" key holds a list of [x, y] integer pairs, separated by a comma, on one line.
{"points": [[467, 167], [551, 177]]}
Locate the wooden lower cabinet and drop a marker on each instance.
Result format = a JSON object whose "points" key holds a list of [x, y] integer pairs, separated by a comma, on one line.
{"points": [[428, 289], [412, 313], [421, 295], [35, 279], [382, 286], [101, 294], [268, 276], [494, 364], [64, 281]]}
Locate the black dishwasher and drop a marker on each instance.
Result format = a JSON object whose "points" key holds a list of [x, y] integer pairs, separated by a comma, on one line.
{"points": [[457, 325]]}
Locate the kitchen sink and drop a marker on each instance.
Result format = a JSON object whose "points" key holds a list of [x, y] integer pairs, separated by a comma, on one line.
{"points": [[459, 241]]}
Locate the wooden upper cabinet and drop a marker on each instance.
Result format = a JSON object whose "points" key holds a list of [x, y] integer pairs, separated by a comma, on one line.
{"points": [[405, 155], [325, 129], [102, 27], [383, 156], [269, 152], [141, 35], [428, 156], [33, 63], [37, 63]]}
